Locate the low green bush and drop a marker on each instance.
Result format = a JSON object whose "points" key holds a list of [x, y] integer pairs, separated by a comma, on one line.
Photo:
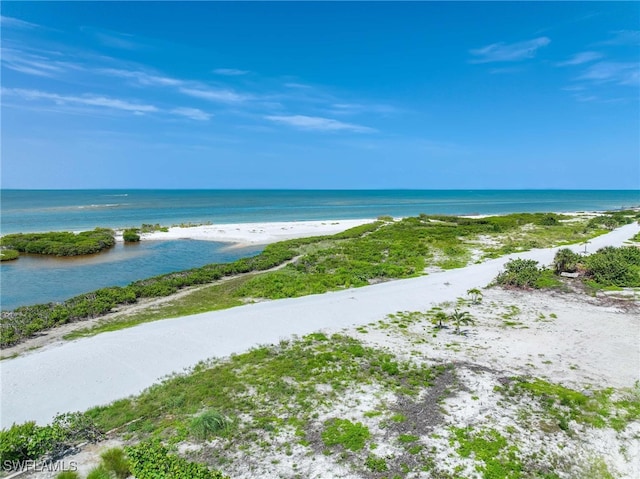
{"points": [[115, 461], [152, 460], [611, 266], [208, 424], [29, 441], [71, 475], [9, 254], [345, 433], [519, 273], [566, 260], [130, 235], [99, 472]]}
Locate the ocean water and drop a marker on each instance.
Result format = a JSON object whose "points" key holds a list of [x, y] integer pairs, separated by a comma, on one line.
{"points": [[31, 210], [35, 279]]}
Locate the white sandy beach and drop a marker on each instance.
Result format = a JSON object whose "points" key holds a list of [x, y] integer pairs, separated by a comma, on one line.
{"points": [[87, 372], [256, 233]]}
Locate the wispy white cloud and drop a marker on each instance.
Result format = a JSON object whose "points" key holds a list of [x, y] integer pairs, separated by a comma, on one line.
{"points": [[88, 100], [109, 103], [11, 22], [509, 52], [575, 88], [623, 37], [580, 58], [192, 113], [346, 109], [506, 70], [215, 95], [620, 73], [109, 38], [585, 98], [318, 123], [31, 64], [143, 78], [232, 72], [297, 85]]}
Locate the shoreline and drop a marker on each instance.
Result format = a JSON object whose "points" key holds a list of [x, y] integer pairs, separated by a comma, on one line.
{"points": [[248, 234], [266, 232]]}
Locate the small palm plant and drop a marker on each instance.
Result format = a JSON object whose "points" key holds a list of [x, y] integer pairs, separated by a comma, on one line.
{"points": [[440, 317], [476, 295], [566, 260], [460, 318]]}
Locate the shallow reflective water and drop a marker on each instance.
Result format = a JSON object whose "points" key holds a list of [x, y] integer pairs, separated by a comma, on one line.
{"points": [[34, 279]]}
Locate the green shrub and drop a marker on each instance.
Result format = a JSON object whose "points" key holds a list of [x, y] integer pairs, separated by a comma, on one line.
{"points": [[566, 260], [115, 461], [61, 243], [549, 220], [208, 424], [8, 254], [29, 441], [131, 235], [99, 472], [345, 433], [519, 273], [376, 464], [152, 460], [611, 266], [70, 475], [18, 443]]}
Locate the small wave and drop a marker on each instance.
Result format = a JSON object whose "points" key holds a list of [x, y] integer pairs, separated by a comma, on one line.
{"points": [[106, 205], [110, 196]]}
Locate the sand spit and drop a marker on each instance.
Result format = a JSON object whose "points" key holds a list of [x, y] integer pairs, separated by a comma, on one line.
{"points": [[256, 233]]}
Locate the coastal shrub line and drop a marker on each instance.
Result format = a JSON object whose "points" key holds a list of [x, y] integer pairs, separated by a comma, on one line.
{"points": [[28, 441], [609, 266], [60, 243]]}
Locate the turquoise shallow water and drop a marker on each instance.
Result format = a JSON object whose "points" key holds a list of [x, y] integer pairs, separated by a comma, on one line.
{"points": [[31, 210], [33, 279]]}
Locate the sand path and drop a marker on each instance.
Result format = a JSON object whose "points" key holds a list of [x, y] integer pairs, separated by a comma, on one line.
{"points": [[96, 370]]}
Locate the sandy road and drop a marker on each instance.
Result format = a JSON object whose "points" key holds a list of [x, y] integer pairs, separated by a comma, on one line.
{"points": [[92, 371]]}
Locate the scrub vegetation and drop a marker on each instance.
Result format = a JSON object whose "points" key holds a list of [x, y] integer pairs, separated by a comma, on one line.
{"points": [[607, 267], [379, 251], [8, 254], [335, 403], [131, 235], [61, 243]]}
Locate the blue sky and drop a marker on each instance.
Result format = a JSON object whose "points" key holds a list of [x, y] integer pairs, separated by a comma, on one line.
{"points": [[418, 95]]}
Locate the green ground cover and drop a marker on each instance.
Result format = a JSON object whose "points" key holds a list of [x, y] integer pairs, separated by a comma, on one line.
{"points": [[301, 399]]}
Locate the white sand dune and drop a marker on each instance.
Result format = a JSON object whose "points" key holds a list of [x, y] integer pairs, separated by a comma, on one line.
{"points": [[93, 371]]}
